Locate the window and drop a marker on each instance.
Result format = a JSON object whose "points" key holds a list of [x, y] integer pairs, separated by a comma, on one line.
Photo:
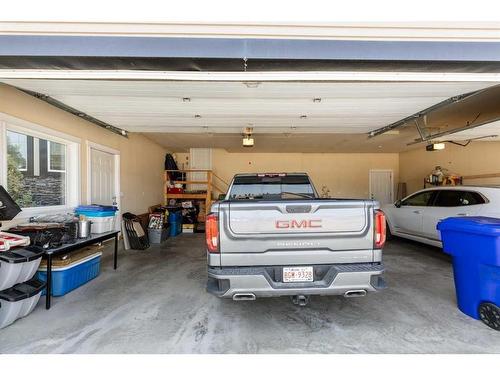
{"points": [[56, 157], [457, 198], [29, 184], [272, 187], [419, 199], [17, 148], [470, 198], [39, 167]]}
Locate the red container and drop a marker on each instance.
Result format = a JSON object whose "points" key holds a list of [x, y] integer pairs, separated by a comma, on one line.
{"points": [[175, 190]]}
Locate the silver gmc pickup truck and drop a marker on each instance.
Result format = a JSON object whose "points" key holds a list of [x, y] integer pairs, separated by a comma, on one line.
{"points": [[272, 236]]}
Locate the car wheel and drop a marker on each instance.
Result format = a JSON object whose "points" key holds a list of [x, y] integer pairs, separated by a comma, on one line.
{"points": [[490, 315]]}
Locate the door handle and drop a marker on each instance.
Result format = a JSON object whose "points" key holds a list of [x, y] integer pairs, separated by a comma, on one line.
{"points": [[462, 214], [416, 212]]}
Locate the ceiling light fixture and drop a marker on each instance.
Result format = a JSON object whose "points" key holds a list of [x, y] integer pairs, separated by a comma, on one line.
{"points": [[248, 141], [435, 147]]}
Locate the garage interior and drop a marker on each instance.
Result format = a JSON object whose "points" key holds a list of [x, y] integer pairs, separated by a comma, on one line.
{"points": [[340, 128]]}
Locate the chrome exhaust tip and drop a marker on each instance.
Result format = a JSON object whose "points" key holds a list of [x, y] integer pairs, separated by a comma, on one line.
{"points": [[244, 297], [355, 293]]}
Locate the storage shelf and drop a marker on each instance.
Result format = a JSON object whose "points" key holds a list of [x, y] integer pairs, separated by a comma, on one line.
{"points": [[190, 182], [205, 196], [186, 196]]}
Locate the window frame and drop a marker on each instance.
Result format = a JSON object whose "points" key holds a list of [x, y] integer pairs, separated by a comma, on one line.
{"points": [[459, 191], [20, 169], [72, 162], [49, 169], [430, 203]]}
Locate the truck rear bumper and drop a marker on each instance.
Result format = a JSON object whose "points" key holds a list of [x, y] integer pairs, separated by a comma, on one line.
{"points": [[330, 279]]}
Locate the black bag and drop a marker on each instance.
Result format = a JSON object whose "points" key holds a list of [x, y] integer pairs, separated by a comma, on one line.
{"points": [[170, 164], [8, 207]]}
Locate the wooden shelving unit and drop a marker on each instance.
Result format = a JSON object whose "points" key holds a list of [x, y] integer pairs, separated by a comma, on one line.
{"points": [[206, 195], [481, 176]]}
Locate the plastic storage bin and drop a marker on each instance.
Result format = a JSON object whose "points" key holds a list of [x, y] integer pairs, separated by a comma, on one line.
{"points": [[474, 244], [18, 265], [96, 208], [68, 278], [102, 224], [102, 217], [158, 235], [175, 221], [95, 213], [19, 300]]}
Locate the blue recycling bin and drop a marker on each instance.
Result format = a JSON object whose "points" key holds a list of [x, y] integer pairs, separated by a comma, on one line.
{"points": [[175, 221], [474, 244]]}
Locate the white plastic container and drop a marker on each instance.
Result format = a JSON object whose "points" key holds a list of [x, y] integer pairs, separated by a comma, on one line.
{"points": [[19, 301], [102, 224], [18, 266]]}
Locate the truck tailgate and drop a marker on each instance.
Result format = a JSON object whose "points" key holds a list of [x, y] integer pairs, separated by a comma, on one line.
{"points": [[298, 232]]}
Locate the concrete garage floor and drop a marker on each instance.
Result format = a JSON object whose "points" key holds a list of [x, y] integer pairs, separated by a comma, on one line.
{"points": [[156, 303]]}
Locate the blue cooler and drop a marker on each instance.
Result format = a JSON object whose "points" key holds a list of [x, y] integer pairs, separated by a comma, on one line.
{"points": [[68, 278], [474, 244]]}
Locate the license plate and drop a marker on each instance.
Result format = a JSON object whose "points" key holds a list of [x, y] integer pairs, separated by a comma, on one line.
{"points": [[297, 274]]}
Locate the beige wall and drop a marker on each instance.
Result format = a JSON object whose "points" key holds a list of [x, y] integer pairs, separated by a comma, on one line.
{"points": [[477, 158], [142, 160], [346, 175]]}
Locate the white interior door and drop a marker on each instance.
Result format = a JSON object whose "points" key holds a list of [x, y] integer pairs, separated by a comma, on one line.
{"points": [[381, 186], [199, 158], [102, 178]]}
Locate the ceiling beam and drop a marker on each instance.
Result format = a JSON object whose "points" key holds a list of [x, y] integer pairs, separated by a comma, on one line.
{"points": [[75, 112], [247, 48], [288, 76]]}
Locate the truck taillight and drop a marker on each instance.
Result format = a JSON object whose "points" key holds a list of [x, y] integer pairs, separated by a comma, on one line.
{"points": [[379, 237], [212, 233]]}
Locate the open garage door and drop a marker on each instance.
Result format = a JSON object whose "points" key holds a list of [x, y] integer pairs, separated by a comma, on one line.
{"points": [[329, 115]]}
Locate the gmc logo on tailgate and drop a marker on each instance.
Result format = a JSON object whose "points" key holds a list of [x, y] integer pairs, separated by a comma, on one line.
{"points": [[290, 224]]}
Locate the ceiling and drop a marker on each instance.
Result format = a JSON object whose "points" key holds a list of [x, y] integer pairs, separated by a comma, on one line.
{"points": [[291, 142], [284, 115]]}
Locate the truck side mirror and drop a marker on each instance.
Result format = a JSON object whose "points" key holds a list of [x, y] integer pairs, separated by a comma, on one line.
{"points": [[398, 203], [221, 197]]}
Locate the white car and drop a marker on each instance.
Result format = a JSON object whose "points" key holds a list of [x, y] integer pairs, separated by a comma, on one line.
{"points": [[416, 216]]}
